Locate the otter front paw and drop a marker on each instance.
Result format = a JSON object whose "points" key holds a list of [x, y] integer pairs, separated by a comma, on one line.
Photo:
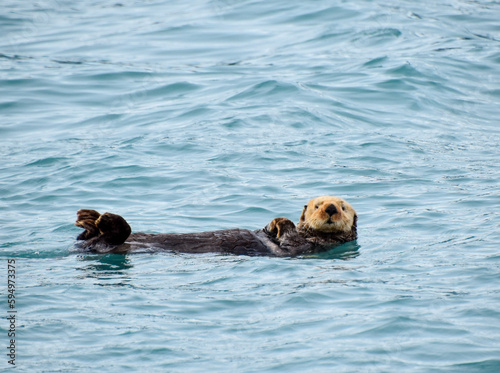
{"points": [[278, 227], [86, 219], [114, 229]]}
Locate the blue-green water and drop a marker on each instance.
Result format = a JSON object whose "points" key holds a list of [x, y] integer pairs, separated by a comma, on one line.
{"points": [[201, 115]]}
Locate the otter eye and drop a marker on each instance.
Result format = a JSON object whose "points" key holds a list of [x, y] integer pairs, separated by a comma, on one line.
{"points": [[343, 207], [316, 207]]}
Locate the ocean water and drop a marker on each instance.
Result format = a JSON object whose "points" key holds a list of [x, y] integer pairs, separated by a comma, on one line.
{"points": [[200, 115]]}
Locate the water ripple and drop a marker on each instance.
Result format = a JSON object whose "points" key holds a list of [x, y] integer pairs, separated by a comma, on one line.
{"points": [[219, 114]]}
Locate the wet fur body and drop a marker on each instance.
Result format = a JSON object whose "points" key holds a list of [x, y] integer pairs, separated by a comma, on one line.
{"points": [[325, 222]]}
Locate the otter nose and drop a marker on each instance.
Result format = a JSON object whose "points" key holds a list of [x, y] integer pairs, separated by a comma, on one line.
{"points": [[331, 210]]}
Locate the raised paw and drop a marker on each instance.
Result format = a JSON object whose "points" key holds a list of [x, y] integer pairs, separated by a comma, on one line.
{"points": [[114, 229], [86, 219], [278, 227], [86, 216]]}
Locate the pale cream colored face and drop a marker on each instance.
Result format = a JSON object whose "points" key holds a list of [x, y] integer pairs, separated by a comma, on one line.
{"points": [[328, 214]]}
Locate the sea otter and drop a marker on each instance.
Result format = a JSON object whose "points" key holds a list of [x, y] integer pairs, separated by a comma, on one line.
{"points": [[325, 222]]}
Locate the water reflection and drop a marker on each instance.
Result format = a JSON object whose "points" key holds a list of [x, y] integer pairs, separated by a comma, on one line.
{"points": [[347, 251], [109, 269]]}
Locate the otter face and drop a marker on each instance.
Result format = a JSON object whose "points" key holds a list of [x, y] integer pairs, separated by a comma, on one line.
{"points": [[328, 214]]}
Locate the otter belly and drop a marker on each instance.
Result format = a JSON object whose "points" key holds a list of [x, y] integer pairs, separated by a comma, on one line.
{"points": [[231, 241]]}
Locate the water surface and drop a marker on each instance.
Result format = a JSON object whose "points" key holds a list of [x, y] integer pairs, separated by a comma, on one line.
{"points": [[207, 115]]}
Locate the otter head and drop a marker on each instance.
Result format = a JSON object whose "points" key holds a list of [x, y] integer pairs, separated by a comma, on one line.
{"points": [[330, 215]]}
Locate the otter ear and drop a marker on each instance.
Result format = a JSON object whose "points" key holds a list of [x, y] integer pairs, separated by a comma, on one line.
{"points": [[355, 222], [303, 216]]}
